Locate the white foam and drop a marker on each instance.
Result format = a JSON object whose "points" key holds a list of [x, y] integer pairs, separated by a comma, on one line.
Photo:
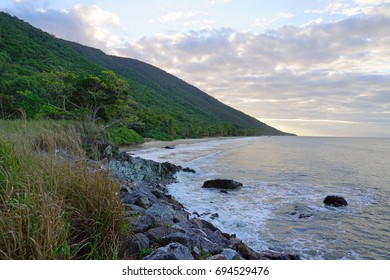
{"points": [[261, 213]]}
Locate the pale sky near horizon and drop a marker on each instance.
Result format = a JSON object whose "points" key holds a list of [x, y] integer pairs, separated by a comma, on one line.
{"points": [[317, 67]]}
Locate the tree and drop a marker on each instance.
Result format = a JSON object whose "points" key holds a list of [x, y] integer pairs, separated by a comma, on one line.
{"points": [[59, 87], [98, 93]]}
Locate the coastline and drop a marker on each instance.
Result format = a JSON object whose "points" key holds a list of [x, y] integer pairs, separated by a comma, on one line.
{"points": [[152, 143], [162, 227]]}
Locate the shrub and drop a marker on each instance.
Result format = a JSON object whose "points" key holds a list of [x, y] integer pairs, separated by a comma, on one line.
{"points": [[125, 136]]}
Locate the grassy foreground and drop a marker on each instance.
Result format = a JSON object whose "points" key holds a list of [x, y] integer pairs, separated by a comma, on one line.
{"points": [[52, 205]]}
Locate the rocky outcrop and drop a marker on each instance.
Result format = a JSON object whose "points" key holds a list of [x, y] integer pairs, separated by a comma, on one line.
{"points": [[136, 169], [160, 227], [222, 184], [335, 201]]}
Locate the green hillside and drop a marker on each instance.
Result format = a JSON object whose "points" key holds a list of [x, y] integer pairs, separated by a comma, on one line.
{"points": [[52, 78]]}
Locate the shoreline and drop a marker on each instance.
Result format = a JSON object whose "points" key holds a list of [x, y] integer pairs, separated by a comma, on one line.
{"points": [[162, 227], [152, 143]]}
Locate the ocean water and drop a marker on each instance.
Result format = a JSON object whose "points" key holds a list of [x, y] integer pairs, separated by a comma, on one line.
{"points": [[280, 207]]}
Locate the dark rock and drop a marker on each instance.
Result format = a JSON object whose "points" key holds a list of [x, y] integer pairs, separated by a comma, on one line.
{"points": [[181, 238], [170, 147], [304, 216], [246, 252], [230, 254], [173, 251], [223, 191], [143, 202], [196, 214], [141, 224], [180, 216], [218, 257], [125, 188], [209, 247], [130, 198], [157, 234], [268, 255], [162, 214], [222, 184], [139, 242], [136, 169], [335, 200], [189, 170], [134, 210], [215, 215]]}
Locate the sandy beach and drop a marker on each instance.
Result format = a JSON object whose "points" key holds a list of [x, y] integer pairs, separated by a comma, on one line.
{"points": [[152, 143]]}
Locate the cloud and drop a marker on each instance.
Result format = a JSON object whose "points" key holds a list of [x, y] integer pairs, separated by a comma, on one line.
{"points": [[179, 15], [351, 8], [265, 22], [86, 24], [332, 73]]}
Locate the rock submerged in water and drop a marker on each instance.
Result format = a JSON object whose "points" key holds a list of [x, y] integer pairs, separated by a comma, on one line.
{"points": [[222, 184], [335, 201]]}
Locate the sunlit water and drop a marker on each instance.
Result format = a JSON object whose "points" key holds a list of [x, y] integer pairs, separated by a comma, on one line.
{"points": [[285, 181]]}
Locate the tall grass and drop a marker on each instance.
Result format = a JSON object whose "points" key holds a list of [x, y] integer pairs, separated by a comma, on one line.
{"points": [[52, 205]]}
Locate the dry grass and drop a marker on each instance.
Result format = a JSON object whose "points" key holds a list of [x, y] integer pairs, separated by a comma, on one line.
{"points": [[51, 206]]}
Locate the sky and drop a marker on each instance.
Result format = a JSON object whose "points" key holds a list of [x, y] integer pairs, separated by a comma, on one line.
{"points": [[318, 67]]}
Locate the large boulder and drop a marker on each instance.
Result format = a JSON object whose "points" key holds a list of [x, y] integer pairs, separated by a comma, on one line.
{"points": [[335, 200], [224, 184]]}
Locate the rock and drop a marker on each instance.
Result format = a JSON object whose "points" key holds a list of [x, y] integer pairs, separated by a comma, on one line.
{"points": [[162, 214], [170, 147], [218, 257], [230, 254], [304, 216], [139, 242], [223, 191], [130, 198], [143, 202], [136, 169], [157, 234], [141, 224], [222, 184], [134, 210], [246, 252], [268, 255], [209, 247], [189, 170], [125, 188], [335, 201], [180, 216], [173, 251], [179, 237]]}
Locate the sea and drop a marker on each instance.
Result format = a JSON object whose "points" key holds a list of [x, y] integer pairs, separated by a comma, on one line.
{"points": [[285, 180]]}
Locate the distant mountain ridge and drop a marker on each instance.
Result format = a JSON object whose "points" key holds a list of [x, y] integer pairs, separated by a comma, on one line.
{"points": [[165, 105]]}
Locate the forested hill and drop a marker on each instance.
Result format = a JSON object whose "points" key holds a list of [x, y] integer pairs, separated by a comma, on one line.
{"points": [[53, 78]]}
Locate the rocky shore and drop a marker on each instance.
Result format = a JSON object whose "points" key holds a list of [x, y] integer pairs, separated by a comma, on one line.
{"points": [[161, 228]]}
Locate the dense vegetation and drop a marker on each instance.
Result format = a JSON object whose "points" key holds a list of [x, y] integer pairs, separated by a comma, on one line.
{"points": [[44, 77]]}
